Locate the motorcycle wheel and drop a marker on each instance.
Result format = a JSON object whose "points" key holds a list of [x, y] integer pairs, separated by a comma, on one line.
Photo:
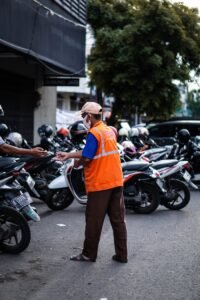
{"points": [[180, 195], [59, 199], [150, 199], [17, 232]]}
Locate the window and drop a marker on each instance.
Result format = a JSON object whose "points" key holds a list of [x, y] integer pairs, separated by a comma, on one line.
{"points": [[170, 130], [161, 130]]}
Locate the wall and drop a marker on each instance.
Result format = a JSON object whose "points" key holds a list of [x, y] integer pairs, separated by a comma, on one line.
{"points": [[46, 112]]}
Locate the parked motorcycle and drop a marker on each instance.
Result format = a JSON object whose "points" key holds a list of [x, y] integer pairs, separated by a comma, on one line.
{"points": [[42, 170], [15, 233], [175, 176], [141, 188], [12, 194], [156, 154], [128, 152], [190, 152], [35, 174]]}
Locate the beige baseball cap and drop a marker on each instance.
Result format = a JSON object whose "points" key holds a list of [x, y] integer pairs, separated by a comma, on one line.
{"points": [[91, 108]]}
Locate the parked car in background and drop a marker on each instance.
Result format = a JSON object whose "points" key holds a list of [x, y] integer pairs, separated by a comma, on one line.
{"points": [[164, 133]]}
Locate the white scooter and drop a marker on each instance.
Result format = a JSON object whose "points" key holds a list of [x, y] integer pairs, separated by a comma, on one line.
{"points": [[142, 187], [173, 193]]}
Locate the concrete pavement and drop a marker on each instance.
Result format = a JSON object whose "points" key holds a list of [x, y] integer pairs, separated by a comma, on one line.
{"points": [[164, 259]]}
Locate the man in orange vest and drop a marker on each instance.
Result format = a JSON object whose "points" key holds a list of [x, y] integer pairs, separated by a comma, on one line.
{"points": [[104, 185]]}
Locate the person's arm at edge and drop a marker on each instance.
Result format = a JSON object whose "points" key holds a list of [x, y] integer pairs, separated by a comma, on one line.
{"points": [[12, 150]]}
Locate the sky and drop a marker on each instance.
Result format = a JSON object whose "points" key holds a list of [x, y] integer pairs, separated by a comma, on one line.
{"points": [[190, 3]]}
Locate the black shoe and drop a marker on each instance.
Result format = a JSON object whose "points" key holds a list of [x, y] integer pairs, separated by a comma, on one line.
{"points": [[119, 259]]}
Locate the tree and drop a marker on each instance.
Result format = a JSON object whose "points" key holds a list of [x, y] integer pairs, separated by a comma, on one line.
{"points": [[141, 47]]}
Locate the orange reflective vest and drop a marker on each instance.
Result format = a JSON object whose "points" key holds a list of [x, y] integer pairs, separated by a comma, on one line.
{"points": [[104, 171]]}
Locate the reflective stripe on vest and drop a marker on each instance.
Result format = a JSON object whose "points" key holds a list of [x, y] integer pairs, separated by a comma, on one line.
{"points": [[104, 153]]}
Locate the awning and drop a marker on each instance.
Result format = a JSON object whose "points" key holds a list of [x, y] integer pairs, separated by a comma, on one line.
{"points": [[50, 38]]}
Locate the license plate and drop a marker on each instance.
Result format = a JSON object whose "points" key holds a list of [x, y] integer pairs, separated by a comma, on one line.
{"points": [[187, 176], [30, 182], [21, 201]]}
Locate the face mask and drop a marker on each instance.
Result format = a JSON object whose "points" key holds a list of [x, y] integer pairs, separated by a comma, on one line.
{"points": [[87, 124]]}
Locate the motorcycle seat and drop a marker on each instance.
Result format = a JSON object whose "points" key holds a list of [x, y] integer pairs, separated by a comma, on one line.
{"points": [[8, 164], [164, 163], [32, 159], [135, 166]]}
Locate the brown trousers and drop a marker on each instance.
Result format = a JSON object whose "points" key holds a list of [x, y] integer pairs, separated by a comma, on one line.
{"points": [[99, 204]]}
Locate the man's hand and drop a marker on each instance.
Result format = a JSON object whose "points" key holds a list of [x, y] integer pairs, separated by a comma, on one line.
{"points": [[61, 156], [38, 152]]}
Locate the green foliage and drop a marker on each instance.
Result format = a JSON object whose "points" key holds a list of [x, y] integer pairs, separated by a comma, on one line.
{"points": [[141, 47]]}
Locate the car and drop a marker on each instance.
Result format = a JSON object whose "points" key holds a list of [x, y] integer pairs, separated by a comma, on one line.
{"points": [[164, 133]]}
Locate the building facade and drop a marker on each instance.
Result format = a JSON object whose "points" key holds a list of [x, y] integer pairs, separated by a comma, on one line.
{"points": [[41, 41]]}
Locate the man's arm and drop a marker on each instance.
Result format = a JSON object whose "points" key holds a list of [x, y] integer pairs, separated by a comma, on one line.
{"points": [[83, 161], [66, 155], [80, 160], [83, 156], [12, 150]]}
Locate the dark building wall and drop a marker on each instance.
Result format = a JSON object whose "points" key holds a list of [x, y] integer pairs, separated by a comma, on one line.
{"points": [[18, 100], [73, 9], [32, 29], [35, 43]]}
